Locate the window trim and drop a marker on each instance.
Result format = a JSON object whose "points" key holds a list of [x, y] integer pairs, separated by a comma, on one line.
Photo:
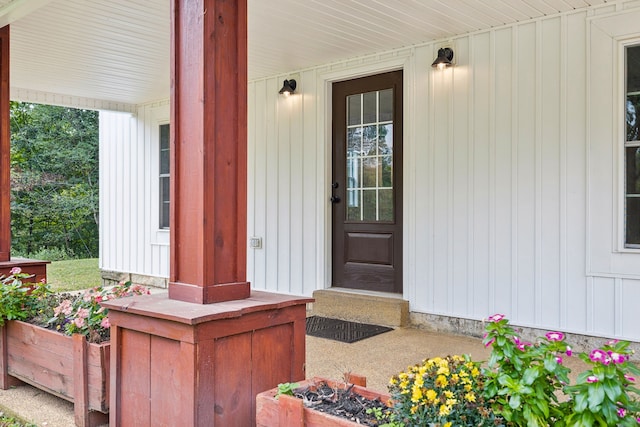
{"points": [[620, 149], [161, 175]]}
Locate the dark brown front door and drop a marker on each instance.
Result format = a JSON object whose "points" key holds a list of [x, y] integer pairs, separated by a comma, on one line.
{"points": [[367, 183]]}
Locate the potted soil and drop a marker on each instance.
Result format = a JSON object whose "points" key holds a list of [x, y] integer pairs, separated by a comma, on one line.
{"points": [[320, 402]]}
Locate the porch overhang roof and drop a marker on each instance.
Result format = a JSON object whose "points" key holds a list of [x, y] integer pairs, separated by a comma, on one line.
{"points": [[115, 54]]}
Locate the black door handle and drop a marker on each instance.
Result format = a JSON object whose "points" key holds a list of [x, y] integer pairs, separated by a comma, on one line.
{"points": [[335, 199]]}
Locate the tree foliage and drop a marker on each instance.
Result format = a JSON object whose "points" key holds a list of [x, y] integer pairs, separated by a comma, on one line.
{"points": [[54, 180]]}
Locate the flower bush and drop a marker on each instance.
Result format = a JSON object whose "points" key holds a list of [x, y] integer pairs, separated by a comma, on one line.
{"points": [[68, 313], [83, 314], [440, 392], [19, 302], [525, 379]]}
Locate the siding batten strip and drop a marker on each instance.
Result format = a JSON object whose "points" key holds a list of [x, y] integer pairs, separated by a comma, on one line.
{"points": [[470, 186], [492, 171], [451, 261], [564, 294], [538, 177], [515, 119]]}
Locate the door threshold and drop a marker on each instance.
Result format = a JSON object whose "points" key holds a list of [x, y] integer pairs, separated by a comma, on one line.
{"points": [[365, 292]]}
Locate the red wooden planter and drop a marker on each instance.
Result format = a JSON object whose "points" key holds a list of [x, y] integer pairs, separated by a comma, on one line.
{"points": [[288, 411], [68, 367]]}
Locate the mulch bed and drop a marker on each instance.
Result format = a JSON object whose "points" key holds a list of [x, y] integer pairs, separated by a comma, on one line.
{"points": [[342, 403]]}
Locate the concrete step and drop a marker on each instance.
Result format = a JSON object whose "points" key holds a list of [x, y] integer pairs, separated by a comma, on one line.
{"points": [[379, 308]]}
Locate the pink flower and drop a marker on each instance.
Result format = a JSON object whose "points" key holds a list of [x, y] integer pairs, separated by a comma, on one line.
{"points": [[629, 378], [622, 412], [617, 357], [496, 317], [598, 355], [559, 360], [105, 323], [79, 322], [555, 336], [612, 342], [82, 313], [16, 270], [569, 351], [592, 379], [488, 343], [64, 308]]}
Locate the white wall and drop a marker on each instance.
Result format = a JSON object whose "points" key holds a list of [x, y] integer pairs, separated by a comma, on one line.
{"points": [[130, 240], [505, 208], [512, 177]]}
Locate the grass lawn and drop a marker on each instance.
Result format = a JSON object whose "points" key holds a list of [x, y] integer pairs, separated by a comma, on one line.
{"points": [[73, 274]]}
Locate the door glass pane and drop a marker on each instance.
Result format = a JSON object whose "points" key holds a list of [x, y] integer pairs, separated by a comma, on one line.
{"points": [[370, 172], [354, 110], [386, 105], [385, 205], [353, 205], [370, 157], [369, 205], [370, 107]]}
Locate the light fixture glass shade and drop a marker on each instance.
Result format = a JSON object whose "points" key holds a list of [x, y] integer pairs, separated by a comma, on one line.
{"points": [[288, 87], [444, 59]]}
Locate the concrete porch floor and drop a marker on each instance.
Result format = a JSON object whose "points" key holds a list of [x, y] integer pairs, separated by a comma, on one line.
{"points": [[378, 358]]}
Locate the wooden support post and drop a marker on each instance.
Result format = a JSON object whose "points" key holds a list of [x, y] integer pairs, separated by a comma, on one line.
{"points": [[208, 151], [6, 380], [5, 149], [80, 390]]}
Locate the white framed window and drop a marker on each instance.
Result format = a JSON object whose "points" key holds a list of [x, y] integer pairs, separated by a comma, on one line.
{"points": [[164, 176], [632, 148]]}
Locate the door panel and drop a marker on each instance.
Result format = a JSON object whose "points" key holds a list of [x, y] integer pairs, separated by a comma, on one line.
{"points": [[367, 183]]}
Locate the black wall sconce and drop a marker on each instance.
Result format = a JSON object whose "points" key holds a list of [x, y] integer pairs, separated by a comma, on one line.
{"points": [[288, 87], [444, 59]]}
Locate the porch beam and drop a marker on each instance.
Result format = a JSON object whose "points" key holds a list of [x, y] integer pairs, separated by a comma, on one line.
{"points": [[5, 149], [208, 151], [18, 9]]}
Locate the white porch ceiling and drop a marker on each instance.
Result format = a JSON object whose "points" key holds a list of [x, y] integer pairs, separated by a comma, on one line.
{"points": [[118, 50]]}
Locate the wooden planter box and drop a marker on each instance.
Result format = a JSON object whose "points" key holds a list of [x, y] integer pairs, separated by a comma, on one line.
{"points": [[68, 367], [288, 411]]}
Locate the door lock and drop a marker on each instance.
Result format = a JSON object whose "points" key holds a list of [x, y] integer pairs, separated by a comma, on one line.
{"points": [[335, 199]]}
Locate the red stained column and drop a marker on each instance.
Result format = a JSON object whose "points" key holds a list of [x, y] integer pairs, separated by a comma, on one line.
{"points": [[5, 149], [209, 151]]}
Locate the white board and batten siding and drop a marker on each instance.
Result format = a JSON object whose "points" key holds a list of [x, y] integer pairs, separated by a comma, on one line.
{"points": [[131, 240], [512, 178]]}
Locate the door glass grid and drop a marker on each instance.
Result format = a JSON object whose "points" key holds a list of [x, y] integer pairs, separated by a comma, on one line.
{"points": [[369, 175]]}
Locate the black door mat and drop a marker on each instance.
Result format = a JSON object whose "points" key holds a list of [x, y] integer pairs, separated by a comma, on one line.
{"points": [[342, 330]]}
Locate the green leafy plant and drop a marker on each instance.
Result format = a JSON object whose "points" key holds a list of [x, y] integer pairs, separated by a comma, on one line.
{"points": [[286, 388], [525, 379], [19, 302], [441, 392]]}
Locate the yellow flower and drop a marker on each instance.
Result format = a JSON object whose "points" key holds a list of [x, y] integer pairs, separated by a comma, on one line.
{"points": [[475, 372], [414, 409], [441, 381], [431, 395], [444, 410], [448, 394], [470, 396], [467, 387], [443, 370], [449, 424], [416, 394]]}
